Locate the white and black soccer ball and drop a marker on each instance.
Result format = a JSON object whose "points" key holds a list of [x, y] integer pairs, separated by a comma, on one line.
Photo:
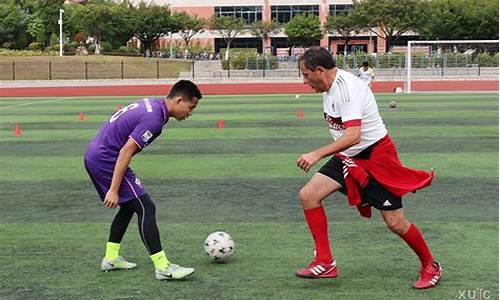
{"points": [[393, 104], [219, 246]]}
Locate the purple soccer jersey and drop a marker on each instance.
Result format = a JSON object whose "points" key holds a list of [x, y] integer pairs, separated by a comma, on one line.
{"points": [[141, 121]]}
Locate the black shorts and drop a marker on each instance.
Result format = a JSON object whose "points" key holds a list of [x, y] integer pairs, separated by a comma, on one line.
{"points": [[373, 193]]}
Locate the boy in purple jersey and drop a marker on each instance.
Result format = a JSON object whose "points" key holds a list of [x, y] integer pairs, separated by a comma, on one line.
{"points": [[107, 161]]}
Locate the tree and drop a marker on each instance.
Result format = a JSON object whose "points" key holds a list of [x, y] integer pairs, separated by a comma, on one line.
{"points": [[44, 16], [122, 29], [390, 19], [189, 26], [94, 18], [461, 20], [151, 22], [228, 28], [263, 29], [305, 28], [345, 25], [13, 24]]}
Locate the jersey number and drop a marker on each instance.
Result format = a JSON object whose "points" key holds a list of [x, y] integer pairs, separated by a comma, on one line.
{"points": [[122, 111]]}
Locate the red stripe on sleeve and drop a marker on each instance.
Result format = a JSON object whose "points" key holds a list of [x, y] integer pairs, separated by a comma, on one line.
{"points": [[352, 123]]}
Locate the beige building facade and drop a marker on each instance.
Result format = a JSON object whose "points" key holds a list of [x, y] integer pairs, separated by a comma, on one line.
{"points": [[279, 10]]}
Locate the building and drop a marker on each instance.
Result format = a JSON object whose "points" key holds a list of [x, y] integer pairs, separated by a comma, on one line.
{"points": [[280, 10]]}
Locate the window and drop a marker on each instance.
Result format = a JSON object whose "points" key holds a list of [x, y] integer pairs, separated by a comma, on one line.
{"points": [[249, 13], [284, 13], [338, 9]]}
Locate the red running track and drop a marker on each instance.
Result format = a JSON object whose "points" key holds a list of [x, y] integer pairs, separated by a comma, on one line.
{"points": [[240, 88]]}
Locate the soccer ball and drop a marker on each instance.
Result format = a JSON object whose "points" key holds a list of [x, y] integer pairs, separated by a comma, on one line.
{"points": [[392, 104], [219, 246]]}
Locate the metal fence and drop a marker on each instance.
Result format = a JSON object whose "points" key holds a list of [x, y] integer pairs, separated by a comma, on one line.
{"points": [[389, 68], [62, 70], [386, 66]]}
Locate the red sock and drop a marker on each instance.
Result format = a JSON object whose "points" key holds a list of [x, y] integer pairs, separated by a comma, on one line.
{"points": [[416, 241], [318, 224]]}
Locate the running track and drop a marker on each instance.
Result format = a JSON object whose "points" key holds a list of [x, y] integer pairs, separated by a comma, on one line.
{"points": [[240, 88]]}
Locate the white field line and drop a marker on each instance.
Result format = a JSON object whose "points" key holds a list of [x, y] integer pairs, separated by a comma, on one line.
{"points": [[37, 102]]}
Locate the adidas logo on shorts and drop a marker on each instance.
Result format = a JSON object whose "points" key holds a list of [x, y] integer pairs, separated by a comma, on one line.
{"points": [[386, 203]]}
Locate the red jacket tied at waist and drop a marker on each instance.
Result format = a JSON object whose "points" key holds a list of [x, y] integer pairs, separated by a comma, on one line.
{"points": [[385, 167]]}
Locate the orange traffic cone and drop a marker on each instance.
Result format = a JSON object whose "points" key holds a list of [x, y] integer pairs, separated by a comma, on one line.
{"points": [[82, 117], [119, 107], [300, 114], [17, 131], [220, 123]]}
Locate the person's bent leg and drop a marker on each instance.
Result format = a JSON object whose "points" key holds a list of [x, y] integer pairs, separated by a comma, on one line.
{"points": [[397, 223], [116, 232], [112, 260], [148, 230], [431, 271], [311, 196]]}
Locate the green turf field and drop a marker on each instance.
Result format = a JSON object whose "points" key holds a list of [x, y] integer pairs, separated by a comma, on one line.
{"points": [[243, 180]]}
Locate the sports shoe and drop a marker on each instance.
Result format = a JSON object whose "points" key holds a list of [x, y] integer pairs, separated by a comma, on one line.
{"points": [[173, 272], [118, 263], [429, 276], [318, 270]]}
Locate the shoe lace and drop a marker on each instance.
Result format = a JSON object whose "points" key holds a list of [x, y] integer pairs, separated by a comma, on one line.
{"points": [[428, 271]]}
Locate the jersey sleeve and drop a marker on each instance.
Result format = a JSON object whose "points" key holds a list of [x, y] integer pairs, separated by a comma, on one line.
{"points": [[350, 104], [146, 132]]}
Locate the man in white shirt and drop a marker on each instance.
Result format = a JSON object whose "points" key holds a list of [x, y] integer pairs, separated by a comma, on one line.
{"points": [[366, 73], [363, 164]]}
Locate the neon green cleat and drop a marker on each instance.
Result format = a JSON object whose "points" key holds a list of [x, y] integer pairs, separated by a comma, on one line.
{"points": [[173, 272], [118, 263]]}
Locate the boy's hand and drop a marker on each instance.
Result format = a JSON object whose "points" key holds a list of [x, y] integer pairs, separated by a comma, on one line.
{"points": [[111, 199]]}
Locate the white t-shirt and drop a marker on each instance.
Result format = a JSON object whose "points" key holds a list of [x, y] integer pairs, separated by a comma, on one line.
{"points": [[366, 75], [350, 102]]}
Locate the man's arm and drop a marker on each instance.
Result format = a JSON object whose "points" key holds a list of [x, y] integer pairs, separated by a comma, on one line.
{"points": [[351, 137], [122, 162]]}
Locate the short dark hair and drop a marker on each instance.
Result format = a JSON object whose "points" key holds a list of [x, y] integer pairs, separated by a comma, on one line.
{"points": [[317, 57], [185, 89], [365, 64]]}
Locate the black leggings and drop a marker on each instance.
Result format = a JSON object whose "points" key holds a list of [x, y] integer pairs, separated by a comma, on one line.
{"points": [[145, 210]]}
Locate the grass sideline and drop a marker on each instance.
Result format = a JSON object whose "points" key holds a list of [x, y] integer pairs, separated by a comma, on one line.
{"points": [[243, 179]]}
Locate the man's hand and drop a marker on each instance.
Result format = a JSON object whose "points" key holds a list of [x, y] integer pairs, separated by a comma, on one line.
{"points": [[308, 160], [111, 199]]}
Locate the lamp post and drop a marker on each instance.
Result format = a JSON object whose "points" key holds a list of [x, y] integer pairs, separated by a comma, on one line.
{"points": [[61, 11], [170, 43]]}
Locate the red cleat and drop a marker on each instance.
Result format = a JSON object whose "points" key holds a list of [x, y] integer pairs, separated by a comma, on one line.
{"points": [[318, 270], [429, 276]]}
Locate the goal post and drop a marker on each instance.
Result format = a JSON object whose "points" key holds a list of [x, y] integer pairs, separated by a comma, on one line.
{"points": [[436, 57]]}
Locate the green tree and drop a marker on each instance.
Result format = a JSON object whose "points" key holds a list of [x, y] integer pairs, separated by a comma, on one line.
{"points": [[345, 25], [93, 18], [103, 20], [461, 20], [390, 19], [44, 16], [13, 25], [189, 26], [228, 28], [151, 22], [305, 28], [263, 29]]}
